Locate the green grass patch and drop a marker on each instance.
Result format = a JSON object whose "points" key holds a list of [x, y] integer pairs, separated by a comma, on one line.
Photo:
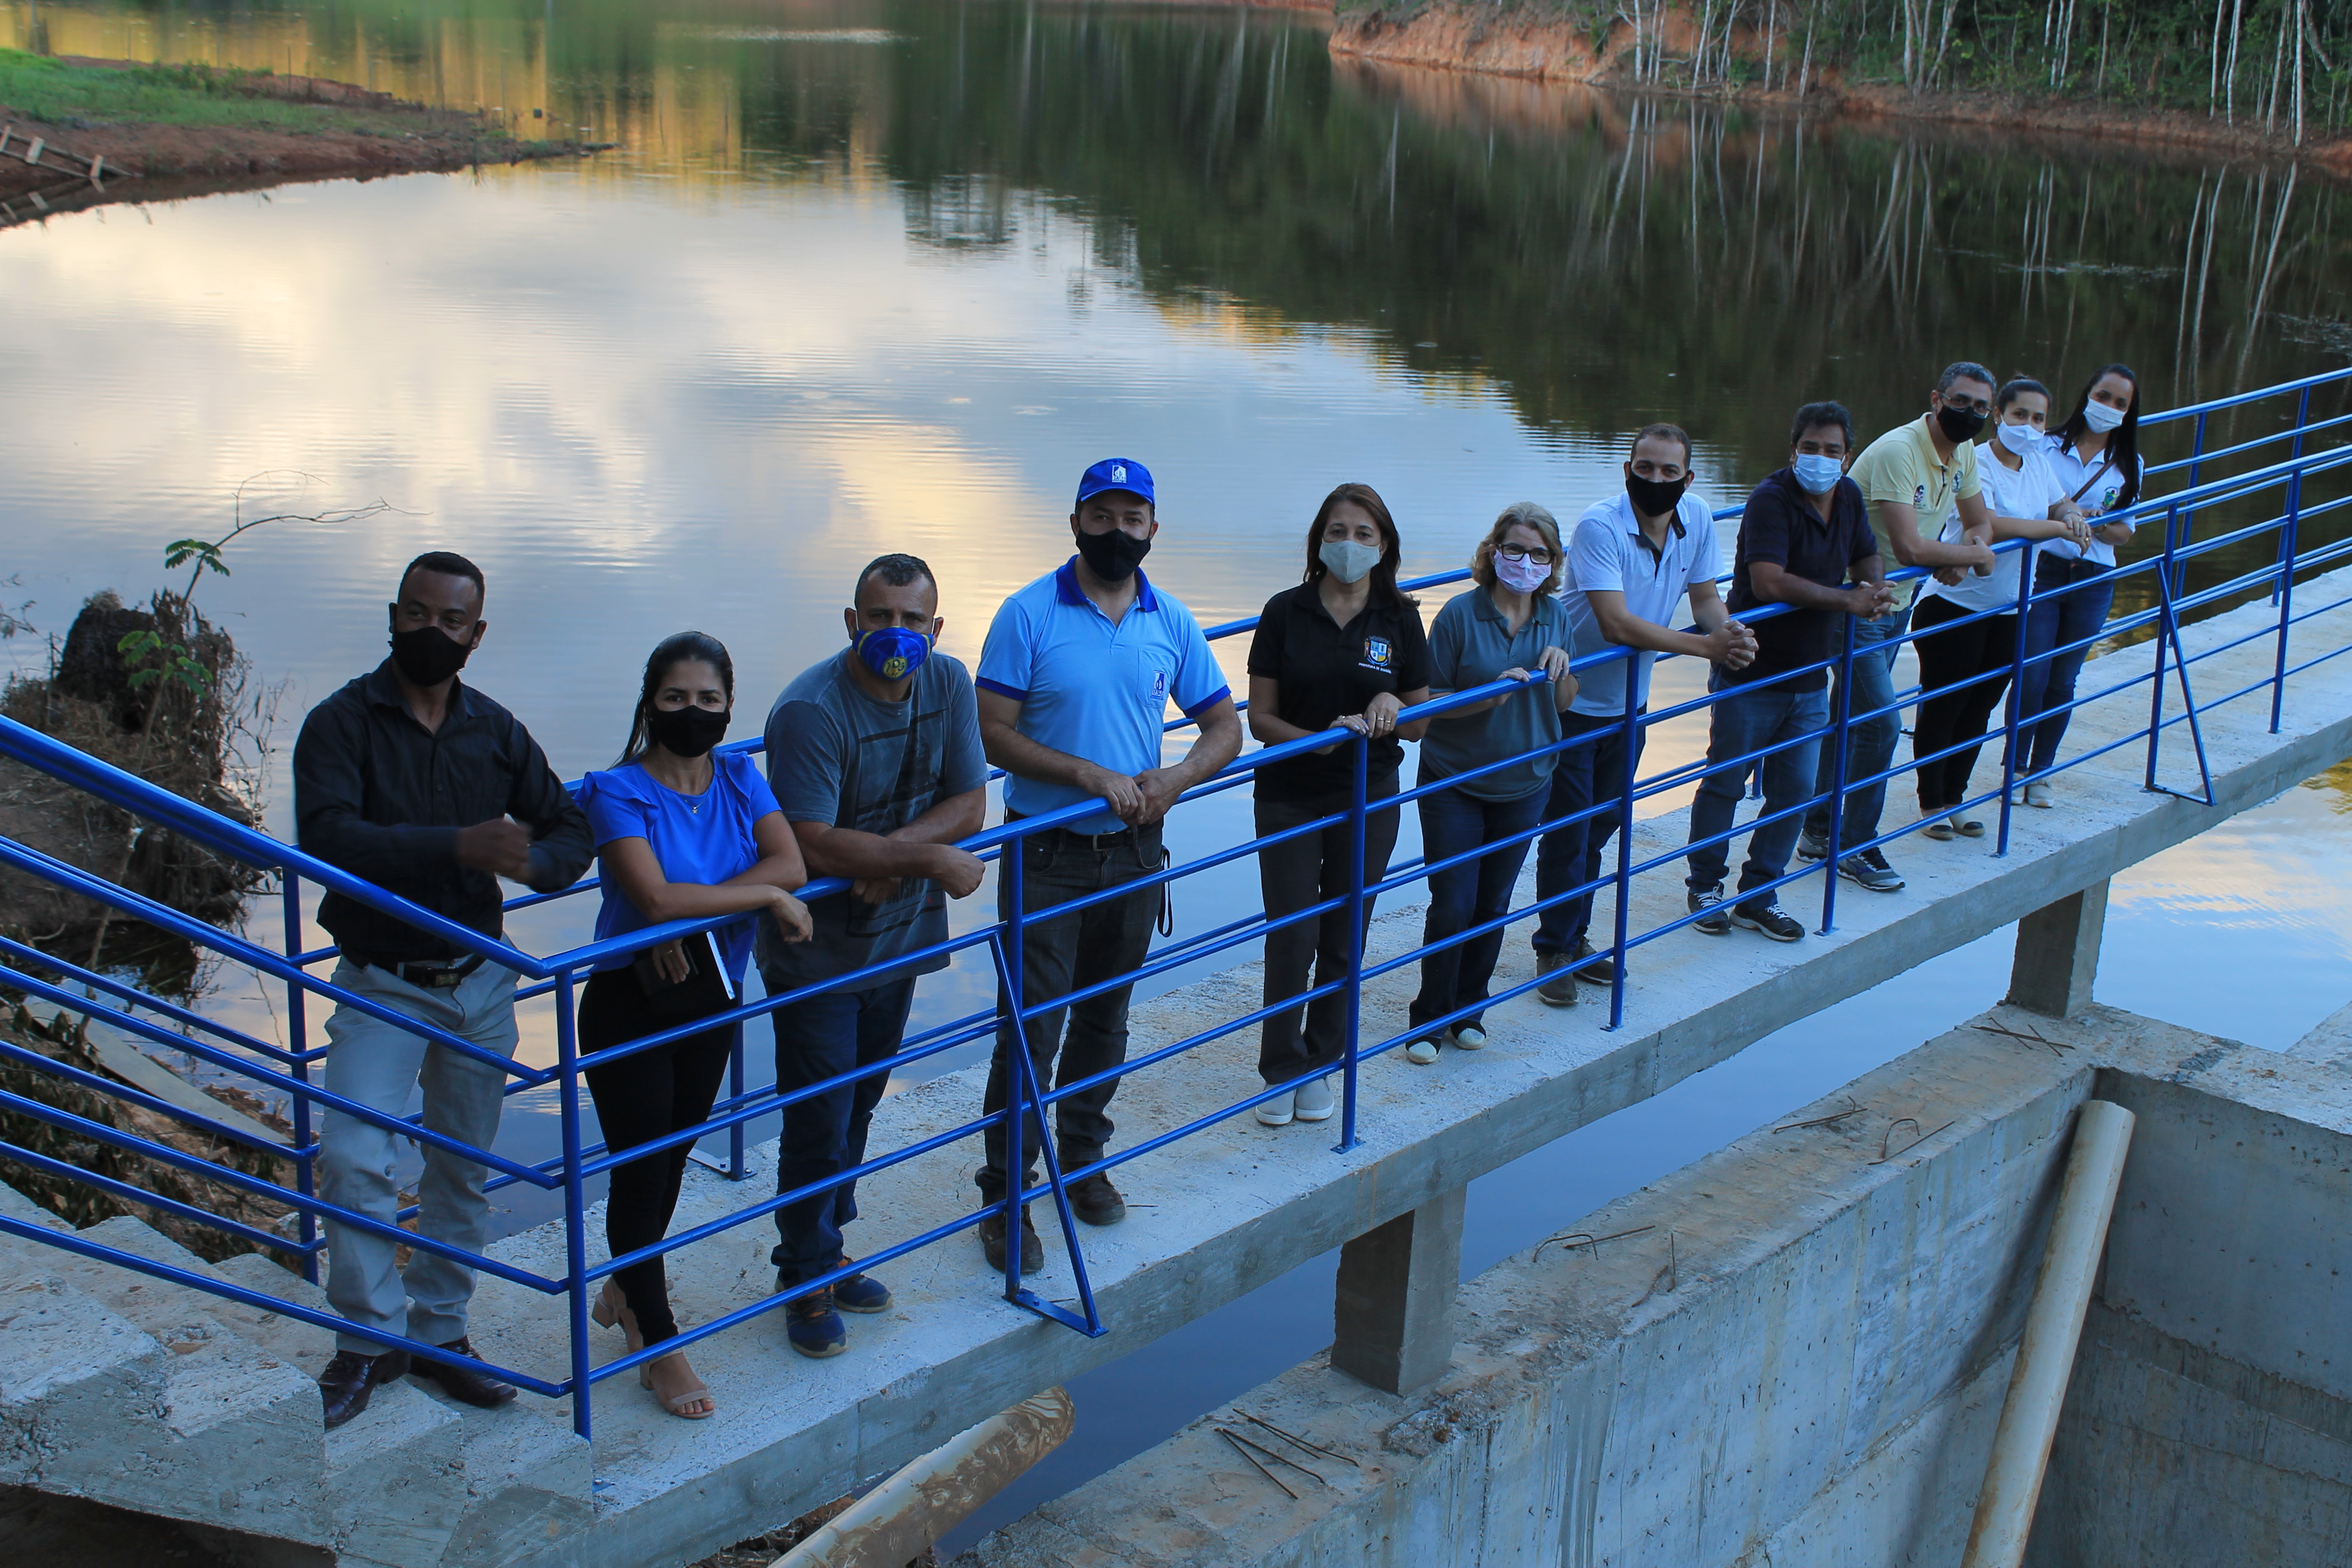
{"points": [[193, 96]]}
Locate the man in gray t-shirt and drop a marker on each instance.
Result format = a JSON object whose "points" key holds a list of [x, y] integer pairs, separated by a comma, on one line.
{"points": [[874, 756]]}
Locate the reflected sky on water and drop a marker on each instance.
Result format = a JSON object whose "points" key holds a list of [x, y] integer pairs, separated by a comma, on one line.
{"points": [[868, 277]]}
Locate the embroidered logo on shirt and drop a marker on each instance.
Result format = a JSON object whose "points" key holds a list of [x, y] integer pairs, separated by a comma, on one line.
{"points": [[1376, 652], [1919, 495], [1159, 686]]}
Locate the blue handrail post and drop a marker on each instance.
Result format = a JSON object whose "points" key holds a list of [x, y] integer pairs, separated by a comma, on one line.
{"points": [[1362, 749], [1628, 734], [735, 1094], [2165, 595], [2284, 593], [1842, 721], [1008, 871], [575, 1204], [2015, 712], [297, 1037]]}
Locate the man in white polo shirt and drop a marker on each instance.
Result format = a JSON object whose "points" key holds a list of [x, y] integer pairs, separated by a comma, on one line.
{"points": [[1075, 682], [1630, 561]]}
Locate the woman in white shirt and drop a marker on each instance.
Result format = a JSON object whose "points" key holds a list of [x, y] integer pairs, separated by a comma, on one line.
{"points": [[2028, 502], [2096, 454]]}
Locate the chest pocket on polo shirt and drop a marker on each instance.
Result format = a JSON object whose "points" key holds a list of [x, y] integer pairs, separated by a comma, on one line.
{"points": [[1148, 675]]}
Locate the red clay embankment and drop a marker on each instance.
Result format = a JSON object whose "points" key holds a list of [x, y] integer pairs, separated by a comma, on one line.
{"points": [[1515, 42]]}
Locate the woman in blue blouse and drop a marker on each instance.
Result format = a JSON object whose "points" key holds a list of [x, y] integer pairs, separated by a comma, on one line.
{"points": [[1507, 627], [682, 835]]}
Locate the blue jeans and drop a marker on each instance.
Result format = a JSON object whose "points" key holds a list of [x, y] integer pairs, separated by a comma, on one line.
{"points": [[1568, 856], [2052, 622], [1452, 822], [1746, 720], [1870, 743], [819, 1038]]}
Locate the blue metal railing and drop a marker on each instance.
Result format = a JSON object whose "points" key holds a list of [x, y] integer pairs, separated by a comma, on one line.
{"points": [[287, 1069]]}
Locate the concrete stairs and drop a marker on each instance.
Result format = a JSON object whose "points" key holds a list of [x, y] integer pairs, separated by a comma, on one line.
{"points": [[128, 1390]]}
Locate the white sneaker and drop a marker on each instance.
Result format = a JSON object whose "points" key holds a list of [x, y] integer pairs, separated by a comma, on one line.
{"points": [[2039, 793], [1469, 1036], [1421, 1053], [1276, 1112], [1315, 1102]]}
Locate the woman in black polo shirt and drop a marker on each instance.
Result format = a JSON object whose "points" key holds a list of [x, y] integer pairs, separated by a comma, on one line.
{"points": [[1343, 650]]}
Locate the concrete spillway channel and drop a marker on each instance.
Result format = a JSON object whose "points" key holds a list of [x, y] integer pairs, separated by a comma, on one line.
{"points": [[1816, 1355]]}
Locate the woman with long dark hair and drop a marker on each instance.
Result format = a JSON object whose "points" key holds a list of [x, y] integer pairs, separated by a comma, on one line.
{"points": [[2096, 454], [682, 835], [1342, 651]]}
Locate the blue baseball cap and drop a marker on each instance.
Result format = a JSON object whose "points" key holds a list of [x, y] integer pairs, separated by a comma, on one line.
{"points": [[1116, 474]]}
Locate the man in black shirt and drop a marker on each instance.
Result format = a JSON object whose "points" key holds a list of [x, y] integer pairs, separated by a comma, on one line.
{"points": [[429, 790], [1802, 534]]}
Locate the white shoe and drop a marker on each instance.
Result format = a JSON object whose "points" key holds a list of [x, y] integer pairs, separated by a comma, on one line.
{"points": [[1315, 1102], [1469, 1036], [1421, 1053], [2039, 793], [1276, 1112]]}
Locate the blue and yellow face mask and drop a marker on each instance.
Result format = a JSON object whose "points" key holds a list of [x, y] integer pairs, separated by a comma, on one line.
{"points": [[893, 653]]}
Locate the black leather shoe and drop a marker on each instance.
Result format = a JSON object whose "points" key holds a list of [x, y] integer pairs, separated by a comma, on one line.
{"points": [[351, 1377], [991, 1244], [1097, 1202], [463, 1384]]}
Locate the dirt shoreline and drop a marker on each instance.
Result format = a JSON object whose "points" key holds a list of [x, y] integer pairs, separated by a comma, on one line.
{"points": [[387, 137], [1555, 50]]}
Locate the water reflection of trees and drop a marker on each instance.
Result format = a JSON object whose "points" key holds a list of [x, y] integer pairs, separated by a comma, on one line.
{"points": [[1613, 260]]}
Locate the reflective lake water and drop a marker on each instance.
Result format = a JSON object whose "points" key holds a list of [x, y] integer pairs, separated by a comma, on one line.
{"points": [[886, 276]]}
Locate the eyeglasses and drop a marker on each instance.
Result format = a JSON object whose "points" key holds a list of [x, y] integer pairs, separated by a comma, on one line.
{"points": [[1966, 406], [1539, 555]]}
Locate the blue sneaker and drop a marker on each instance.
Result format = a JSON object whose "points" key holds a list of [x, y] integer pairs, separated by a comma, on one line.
{"points": [[814, 1327], [860, 1292]]}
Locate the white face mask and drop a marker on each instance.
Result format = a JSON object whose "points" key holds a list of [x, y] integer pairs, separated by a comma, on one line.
{"points": [[2022, 438], [1521, 575], [2100, 417], [1347, 560]]}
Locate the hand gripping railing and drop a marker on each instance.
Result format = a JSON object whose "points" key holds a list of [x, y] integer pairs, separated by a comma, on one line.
{"points": [[285, 1068]]}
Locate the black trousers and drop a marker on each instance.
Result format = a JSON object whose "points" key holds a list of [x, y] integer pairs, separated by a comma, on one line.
{"points": [[639, 1099], [1058, 956], [1982, 652], [1292, 874]]}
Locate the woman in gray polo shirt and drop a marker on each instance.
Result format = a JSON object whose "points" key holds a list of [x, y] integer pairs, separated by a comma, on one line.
{"points": [[1509, 626]]}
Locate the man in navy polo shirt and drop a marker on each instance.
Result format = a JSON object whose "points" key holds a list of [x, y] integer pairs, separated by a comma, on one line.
{"points": [[1631, 563], [1075, 682], [1805, 542]]}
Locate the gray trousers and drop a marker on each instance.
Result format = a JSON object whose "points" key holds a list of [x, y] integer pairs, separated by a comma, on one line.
{"points": [[379, 1064]]}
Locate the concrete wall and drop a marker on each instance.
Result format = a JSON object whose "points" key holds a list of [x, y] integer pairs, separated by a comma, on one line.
{"points": [[1810, 1371], [2209, 1398]]}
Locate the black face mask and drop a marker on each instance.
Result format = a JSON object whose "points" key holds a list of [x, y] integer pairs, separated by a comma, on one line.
{"points": [[1112, 556], [428, 656], [1655, 497], [1959, 423], [687, 732]]}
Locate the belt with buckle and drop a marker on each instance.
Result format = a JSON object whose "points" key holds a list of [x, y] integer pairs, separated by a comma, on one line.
{"points": [[1096, 842], [425, 976]]}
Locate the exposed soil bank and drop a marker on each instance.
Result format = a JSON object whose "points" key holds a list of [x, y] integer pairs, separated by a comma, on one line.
{"points": [[340, 130], [1557, 48]]}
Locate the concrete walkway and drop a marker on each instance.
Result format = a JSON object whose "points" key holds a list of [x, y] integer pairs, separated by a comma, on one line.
{"points": [[418, 1481]]}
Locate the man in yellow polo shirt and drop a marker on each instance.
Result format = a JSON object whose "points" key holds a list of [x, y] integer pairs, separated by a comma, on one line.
{"points": [[1912, 477]]}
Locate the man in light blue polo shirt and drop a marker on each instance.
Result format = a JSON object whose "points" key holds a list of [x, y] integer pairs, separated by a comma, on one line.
{"points": [[1630, 563], [1075, 682]]}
